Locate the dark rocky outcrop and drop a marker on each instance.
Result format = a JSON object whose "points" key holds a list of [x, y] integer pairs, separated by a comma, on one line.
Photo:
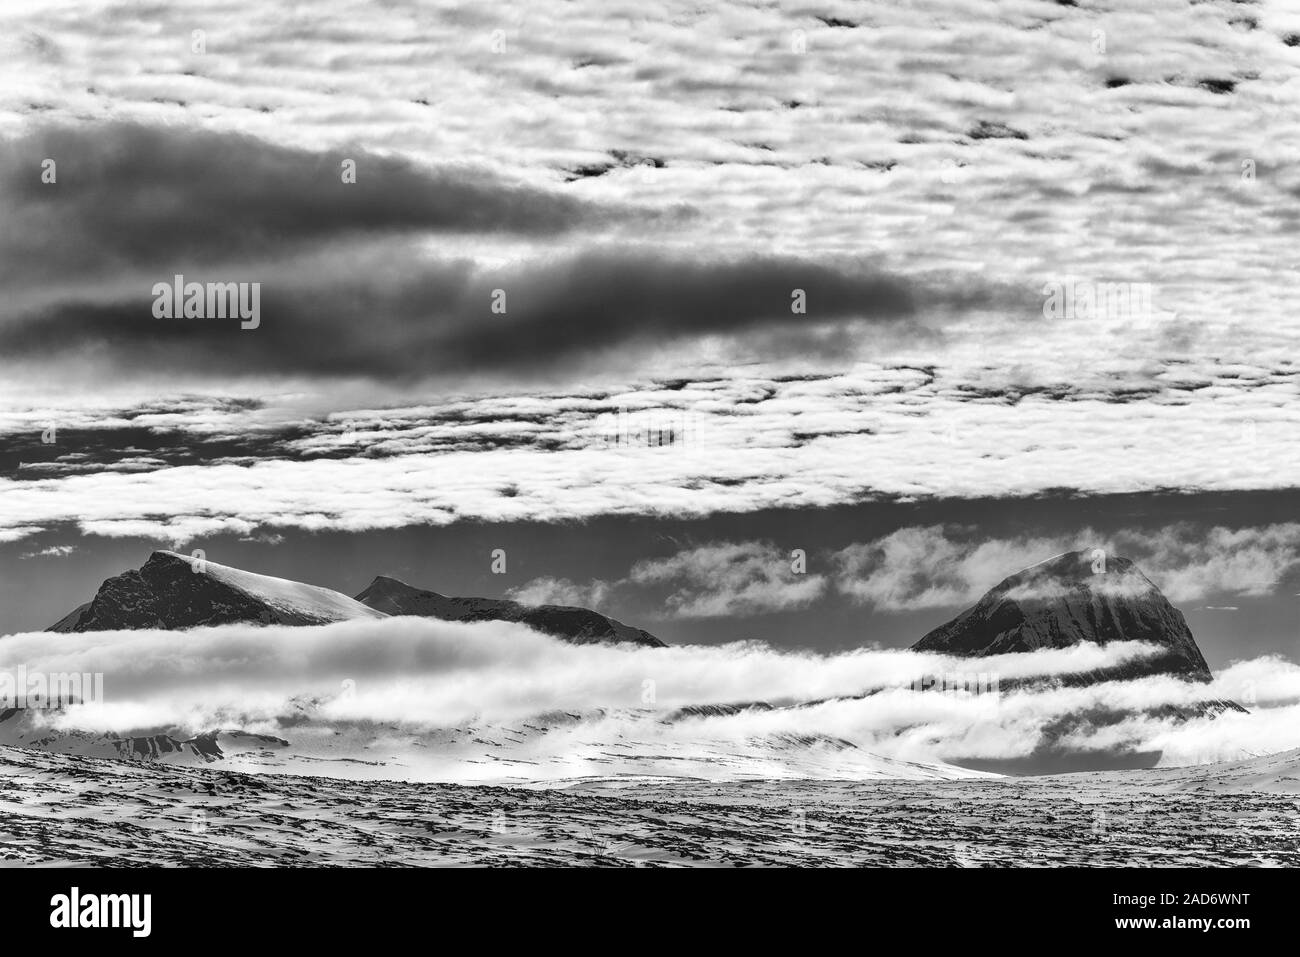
{"points": [[578, 625]]}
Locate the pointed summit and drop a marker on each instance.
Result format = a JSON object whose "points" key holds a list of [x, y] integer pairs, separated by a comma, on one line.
{"points": [[393, 596], [176, 591]]}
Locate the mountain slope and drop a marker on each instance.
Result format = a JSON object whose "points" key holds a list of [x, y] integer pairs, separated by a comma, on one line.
{"points": [[170, 591], [578, 625], [29, 728], [1062, 602]]}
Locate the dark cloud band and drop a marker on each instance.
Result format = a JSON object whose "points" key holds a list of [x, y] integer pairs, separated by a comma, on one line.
{"points": [[344, 287]]}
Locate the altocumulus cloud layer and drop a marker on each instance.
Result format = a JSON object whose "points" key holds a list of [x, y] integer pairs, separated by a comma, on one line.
{"points": [[647, 191], [1042, 142], [740, 442]]}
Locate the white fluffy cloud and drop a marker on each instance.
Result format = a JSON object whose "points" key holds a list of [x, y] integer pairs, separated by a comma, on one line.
{"points": [[731, 578], [50, 551], [920, 567], [1191, 564], [934, 566], [561, 591]]}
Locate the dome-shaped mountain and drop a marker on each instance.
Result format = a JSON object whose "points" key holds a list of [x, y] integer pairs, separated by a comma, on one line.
{"points": [[578, 625], [1072, 598]]}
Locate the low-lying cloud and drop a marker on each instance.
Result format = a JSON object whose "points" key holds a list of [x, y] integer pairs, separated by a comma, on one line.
{"points": [[494, 671], [438, 685]]}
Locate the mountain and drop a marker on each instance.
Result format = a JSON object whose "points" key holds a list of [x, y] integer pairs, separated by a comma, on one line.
{"points": [[173, 591], [1062, 602], [578, 625]]}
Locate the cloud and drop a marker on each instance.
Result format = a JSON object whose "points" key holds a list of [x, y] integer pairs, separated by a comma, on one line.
{"points": [[453, 672], [1191, 563], [858, 149], [346, 289], [730, 578], [937, 566], [747, 439], [50, 551], [179, 198], [926, 567], [561, 591], [414, 687], [848, 141], [920, 567], [714, 580]]}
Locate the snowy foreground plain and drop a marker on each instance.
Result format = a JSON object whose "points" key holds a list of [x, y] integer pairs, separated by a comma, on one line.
{"points": [[71, 809]]}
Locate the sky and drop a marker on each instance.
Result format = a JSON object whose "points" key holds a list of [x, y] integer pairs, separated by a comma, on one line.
{"points": [[651, 296]]}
